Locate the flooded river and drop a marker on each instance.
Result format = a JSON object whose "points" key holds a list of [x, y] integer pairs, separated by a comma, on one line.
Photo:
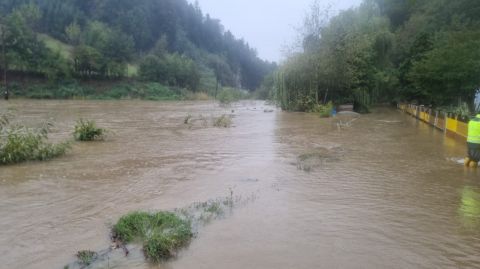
{"points": [[385, 192]]}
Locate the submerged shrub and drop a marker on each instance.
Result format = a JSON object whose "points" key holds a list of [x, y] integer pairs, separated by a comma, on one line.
{"points": [[320, 156], [86, 257], [187, 119], [87, 130], [19, 143], [223, 121], [324, 111], [162, 234]]}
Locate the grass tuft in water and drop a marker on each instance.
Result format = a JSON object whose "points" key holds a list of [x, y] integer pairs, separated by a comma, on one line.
{"points": [[86, 257], [19, 143], [87, 130], [320, 156], [324, 111], [162, 234], [187, 119], [223, 121], [214, 208]]}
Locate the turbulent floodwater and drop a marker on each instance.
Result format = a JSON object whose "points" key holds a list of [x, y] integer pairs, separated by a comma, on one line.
{"points": [[391, 195]]}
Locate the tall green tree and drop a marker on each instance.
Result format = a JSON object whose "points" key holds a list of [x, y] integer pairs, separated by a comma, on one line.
{"points": [[385, 50]]}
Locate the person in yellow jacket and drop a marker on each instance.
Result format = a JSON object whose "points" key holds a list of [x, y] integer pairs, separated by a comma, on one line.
{"points": [[473, 142]]}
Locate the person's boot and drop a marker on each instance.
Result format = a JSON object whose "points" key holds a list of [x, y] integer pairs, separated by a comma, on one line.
{"points": [[473, 164], [467, 162]]}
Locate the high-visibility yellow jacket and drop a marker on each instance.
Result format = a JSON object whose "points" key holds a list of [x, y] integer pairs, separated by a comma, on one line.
{"points": [[474, 130]]}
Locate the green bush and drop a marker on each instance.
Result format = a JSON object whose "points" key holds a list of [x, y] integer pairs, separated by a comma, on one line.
{"points": [[87, 130], [303, 103], [170, 69], [38, 92], [230, 95], [120, 91], [225, 97], [162, 234], [145, 91], [159, 92], [69, 91], [461, 110], [114, 91], [19, 143], [61, 91], [324, 111]]}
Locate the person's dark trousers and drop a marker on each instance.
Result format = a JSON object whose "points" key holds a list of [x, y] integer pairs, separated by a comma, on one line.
{"points": [[474, 151]]}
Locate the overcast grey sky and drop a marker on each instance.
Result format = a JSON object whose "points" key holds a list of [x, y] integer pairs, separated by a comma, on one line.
{"points": [[266, 25]]}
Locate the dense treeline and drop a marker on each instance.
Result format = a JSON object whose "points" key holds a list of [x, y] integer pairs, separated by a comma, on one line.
{"points": [[384, 51], [170, 41]]}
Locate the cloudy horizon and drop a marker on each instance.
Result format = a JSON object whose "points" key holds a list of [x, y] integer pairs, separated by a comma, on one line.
{"points": [[266, 25]]}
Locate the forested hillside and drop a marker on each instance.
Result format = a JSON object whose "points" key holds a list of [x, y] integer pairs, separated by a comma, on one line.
{"points": [[385, 50], [170, 42]]}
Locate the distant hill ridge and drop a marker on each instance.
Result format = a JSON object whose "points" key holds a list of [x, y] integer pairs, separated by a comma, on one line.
{"points": [[116, 38]]}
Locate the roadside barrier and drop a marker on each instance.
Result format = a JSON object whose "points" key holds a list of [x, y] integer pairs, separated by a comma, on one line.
{"points": [[449, 123]]}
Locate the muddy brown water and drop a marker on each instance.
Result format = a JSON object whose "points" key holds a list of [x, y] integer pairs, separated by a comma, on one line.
{"points": [[393, 196]]}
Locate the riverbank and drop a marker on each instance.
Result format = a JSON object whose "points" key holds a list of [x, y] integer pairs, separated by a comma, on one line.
{"points": [[118, 90], [98, 90]]}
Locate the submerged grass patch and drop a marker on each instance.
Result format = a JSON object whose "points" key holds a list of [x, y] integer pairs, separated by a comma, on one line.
{"points": [[87, 130], [187, 119], [162, 234], [86, 257], [198, 122], [159, 236], [19, 143], [223, 121], [320, 156]]}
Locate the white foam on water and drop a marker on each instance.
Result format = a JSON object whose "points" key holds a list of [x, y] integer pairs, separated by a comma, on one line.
{"points": [[457, 160]]}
